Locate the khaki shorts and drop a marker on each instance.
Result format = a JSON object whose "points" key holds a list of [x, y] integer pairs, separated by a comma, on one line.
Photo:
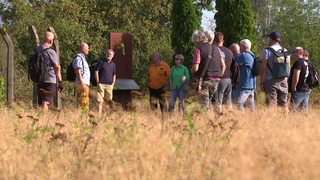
{"points": [[104, 92]]}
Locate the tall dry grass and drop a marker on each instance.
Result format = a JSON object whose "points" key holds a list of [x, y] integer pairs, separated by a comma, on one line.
{"points": [[265, 144]]}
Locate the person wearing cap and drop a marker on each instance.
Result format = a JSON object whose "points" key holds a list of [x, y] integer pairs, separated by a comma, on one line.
{"points": [[275, 88], [247, 79], [179, 75]]}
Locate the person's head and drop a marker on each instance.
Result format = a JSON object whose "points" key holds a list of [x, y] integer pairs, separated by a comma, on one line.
{"points": [[274, 38], [235, 48], [84, 48], [48, 38], [198, 37], [155, 58], [305, 54], [210, 36], [109, 54], [245, 45], [218, 38], [178, 59], [298, 52]]}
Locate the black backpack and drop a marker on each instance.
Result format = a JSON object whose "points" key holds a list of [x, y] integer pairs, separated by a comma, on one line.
{"points": [[35, 66], [71, 74], [313, 77], [256, 65]]}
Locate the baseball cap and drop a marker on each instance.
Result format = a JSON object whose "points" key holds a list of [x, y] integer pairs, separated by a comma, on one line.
{"points": [[275, 36]]}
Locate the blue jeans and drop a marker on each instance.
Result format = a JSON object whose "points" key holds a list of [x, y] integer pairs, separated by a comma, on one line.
{"points": [[235, 93], [300, 98], [244, 95], [180, 93], [207, 92]]}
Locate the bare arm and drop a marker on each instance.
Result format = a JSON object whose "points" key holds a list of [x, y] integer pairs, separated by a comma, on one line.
{"points": [[223, 66], [57, 69], [194, 68], [263, 70], [113, 79], [295, 79], [96, 76]]}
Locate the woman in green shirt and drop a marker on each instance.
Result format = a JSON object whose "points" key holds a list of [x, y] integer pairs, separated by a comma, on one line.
{"points": [[179, 75]]}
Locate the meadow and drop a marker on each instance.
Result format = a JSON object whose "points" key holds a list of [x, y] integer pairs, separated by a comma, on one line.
{"points": [[141, 144]]}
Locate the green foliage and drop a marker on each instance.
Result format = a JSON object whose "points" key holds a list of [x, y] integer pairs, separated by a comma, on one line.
{"points": [[184, 22], [2, 91], [297, 21], [235, 20], [75, 21]]}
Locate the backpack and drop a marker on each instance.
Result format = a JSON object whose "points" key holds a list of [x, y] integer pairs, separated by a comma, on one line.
{"points": [[313, 76], [280, 63], [93, 81], [256, 65], [35, 66], [235, 72], [71, 74]]}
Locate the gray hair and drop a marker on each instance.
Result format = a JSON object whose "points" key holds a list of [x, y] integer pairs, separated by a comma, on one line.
{"points": [[246, 42], [199, 37], [180, 56], [210, 36]]}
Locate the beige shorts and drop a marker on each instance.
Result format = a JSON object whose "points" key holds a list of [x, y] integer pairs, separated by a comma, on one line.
{"points": [[104, 92]]}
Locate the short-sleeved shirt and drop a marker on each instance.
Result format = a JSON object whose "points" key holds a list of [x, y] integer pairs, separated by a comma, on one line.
{"points": [[80, 62], [176, 74], [301, 65], [267, 55], [50, 58], [158, 75], [106, 71], [247, 79], [196, 56], [227, 56]]}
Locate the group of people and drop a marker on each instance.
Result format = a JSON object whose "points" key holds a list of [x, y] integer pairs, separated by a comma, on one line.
{"points": [[104, 74], [227, 75]]}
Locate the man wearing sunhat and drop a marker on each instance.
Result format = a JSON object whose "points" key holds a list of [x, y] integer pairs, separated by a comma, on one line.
{"points": [[275, 88]]}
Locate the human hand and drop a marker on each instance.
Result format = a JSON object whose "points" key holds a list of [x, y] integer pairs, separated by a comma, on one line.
{"points": [[183, 79], [60, 88]]}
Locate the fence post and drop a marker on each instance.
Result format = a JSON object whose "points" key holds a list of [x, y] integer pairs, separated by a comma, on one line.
{"points": [[10, 54], [36, 42], [57, 97]]}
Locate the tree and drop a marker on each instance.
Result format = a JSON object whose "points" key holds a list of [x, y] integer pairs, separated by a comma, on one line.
{"points": [[184, 22], [234, 19], [297, 21], [148, 21]]}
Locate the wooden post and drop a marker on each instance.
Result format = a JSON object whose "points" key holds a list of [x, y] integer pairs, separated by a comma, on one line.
{"points": [[36, 42], [57, 97], [9, 43]]}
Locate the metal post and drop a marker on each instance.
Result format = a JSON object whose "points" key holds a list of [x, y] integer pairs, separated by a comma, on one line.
{"points": [[57, 97], [9, 43], [36, 42]]}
